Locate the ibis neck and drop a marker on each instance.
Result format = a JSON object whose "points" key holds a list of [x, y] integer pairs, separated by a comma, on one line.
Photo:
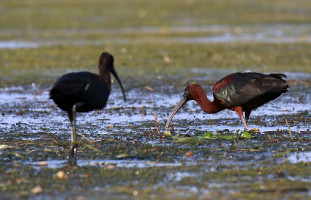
{"points": [[104, 75], [208, 106]]}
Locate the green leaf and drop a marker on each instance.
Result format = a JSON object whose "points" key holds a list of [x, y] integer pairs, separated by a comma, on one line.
{"points": [[167, 134], [246, 134], [176, 137], [209, 135], [226, 137]]}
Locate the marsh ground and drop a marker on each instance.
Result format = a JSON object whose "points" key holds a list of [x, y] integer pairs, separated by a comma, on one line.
{"points": [[163, 45]]}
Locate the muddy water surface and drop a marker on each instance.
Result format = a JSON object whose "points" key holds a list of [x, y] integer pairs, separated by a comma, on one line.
{"points": [[122, 161]]}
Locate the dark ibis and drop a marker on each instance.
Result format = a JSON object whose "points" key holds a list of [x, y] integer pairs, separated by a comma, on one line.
{"points": [[240, 92], [84, 92]]}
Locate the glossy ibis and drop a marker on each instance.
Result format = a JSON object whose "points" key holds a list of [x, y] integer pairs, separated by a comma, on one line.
{"points": [[84, 92], [240, 92]]}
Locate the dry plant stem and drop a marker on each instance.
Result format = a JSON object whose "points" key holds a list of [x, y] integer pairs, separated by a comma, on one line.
{"points": [[88, 140], [149, 133], [130, 125], [157, 125], [290, 132]]}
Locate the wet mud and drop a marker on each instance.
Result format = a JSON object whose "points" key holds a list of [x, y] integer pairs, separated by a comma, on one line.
{"points": [[121, 156]]}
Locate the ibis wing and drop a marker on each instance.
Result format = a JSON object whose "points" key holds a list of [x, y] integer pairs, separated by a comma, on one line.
{"points": [[241, 88], [73, 84], [81, 87]]}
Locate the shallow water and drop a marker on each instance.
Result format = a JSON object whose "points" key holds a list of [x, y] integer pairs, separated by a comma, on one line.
{"points": [[17, 45], [35, 135], [102, 163], [299, 157], [295, 157], [264, 33], [41, 110]]}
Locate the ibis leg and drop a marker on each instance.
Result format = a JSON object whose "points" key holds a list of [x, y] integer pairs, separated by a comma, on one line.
{"points": [[243, 120], [239, 110], [73, 144], [247, 114]]}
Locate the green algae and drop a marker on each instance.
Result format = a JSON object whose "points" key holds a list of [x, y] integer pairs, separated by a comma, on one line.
{"points": [[211, 136], [43, 65], [67, 42], [80, 14]]}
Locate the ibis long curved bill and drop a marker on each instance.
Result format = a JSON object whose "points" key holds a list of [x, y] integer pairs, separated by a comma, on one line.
{"points": [[179, 105], [115, 74]]}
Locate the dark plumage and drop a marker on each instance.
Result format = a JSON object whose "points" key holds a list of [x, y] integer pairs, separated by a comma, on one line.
{"points": [[90, 90], [240, 92], [84, 92]]}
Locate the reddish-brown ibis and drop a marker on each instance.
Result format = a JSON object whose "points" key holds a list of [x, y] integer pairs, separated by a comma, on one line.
{"points": [[84, 92], [240, 92]]}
